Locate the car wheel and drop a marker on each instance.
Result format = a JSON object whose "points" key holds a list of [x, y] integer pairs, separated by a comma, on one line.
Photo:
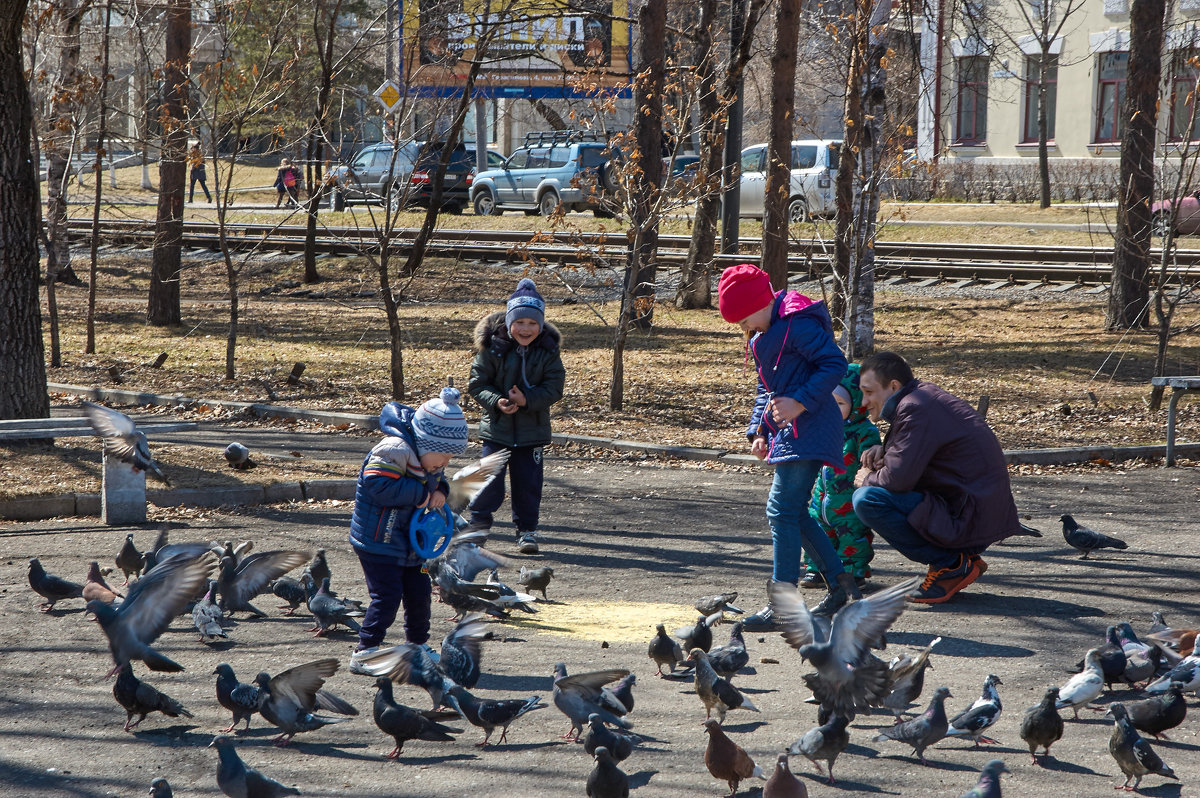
{"points": [[337, 200], [797, 211], [454, 208], [548, 204], [1160, 223], [608, 177], [485, 204], [395, 199]]}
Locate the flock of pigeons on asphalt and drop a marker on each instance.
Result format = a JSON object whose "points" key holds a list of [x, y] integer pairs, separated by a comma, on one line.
{"points": [[215, 581]]}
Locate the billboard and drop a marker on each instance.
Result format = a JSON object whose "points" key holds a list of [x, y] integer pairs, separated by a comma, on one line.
{"points": [[536, 48]]}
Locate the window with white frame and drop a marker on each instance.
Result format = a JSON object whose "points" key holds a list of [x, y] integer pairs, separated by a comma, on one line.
{"points": [[1110, 93], [1185, 119], [971, 127], [1029, 130]]}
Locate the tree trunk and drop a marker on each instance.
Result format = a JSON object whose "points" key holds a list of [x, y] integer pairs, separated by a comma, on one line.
{"points": [[843, 237], [89, 346], [779, 143], [1043, 122], [23, 388], [551, 116], [1129, 297], [317, 137], [172, 170]]}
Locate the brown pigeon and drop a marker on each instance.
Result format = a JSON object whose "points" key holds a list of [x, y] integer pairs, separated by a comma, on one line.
{"points": [[726, 760], [97, 588], [782, 783]]}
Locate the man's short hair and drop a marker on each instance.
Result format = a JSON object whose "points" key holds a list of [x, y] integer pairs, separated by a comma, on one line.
{"points": [[888, 366]]}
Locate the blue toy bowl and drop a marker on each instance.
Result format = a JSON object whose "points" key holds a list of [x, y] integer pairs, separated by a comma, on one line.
{"points": [[429, 532]]}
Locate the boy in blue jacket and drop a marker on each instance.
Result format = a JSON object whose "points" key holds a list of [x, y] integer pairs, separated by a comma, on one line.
{"points": [[796, 425], [402, 474]]}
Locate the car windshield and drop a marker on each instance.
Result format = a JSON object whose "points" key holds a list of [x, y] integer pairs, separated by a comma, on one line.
{"points": [[592, 156]]}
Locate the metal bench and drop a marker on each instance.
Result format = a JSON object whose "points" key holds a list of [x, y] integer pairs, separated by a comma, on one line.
{"points": [[122, 491], [1179, 386]]}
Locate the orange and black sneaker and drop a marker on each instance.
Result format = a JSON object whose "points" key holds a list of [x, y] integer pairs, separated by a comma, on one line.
{"points": [[942, 583], [983, 566]]}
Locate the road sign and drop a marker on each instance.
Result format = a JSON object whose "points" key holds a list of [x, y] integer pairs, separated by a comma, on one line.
{"points": [[388, 96]]}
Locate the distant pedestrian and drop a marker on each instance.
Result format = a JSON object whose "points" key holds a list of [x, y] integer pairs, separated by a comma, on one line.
{"points": [[196, 162], [517, 375], [287, 182]]}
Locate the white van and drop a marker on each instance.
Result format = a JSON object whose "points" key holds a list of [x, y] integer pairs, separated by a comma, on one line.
{"points": [[814, 170]]}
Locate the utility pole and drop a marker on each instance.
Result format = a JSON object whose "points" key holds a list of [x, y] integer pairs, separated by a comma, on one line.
{"points": [[731, 193]]}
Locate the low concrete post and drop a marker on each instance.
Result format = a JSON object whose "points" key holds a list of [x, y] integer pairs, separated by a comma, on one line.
{"points": [[122, 493]]}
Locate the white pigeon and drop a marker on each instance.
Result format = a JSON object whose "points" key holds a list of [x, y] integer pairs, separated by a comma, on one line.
{"points": [[122, 439], [980, 716], [1085, 686], [1187, 672]]}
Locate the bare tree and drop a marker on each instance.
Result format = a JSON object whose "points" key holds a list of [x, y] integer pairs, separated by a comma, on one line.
{"points": [[778, 190], [325, 24], [97, 171]]}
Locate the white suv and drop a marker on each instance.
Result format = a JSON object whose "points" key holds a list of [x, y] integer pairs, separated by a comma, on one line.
{"points": [[814, 170]]}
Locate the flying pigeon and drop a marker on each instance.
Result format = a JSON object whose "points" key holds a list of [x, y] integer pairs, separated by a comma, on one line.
{"points": [[409, 663], [923, 731], [402, 723], [980, 716], [536, 579], [96, 588], [722, 603], [469, 480], [1085, 686], [50, 587], [619, 744], [238, 456], [824, 742], [606, 779], [238, 552], [238, 781], [122, 439], [1086, 540], [207, 616], [148, 610], [130, 560], [242, 581], [141, 699], [783, 784], [161, 788], [1134, 755], [487, 714], [715, 692], [578, 696], [664, 650], [1042, 725], [988, 785], [239, 698], [1159, 714], [291, 699], [907, 677], [726, 760]]}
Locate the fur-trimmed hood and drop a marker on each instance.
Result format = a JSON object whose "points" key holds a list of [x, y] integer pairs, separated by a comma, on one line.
{"points": [[492, 333]]}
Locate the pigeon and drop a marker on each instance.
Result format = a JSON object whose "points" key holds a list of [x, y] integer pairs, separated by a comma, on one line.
{"points": [[622, 692], [238, 456], [783, 784], [536, 579], [1187, 673], [578, 696], [1157, 622], [1028, 531], [726, 760], [170, 551], [291, 699], [50, 587], [318, 569], [161, 788], [141, 699], [487, 714], [722, 603], [1085, 686], [409, 663], [1173, 644], [148, 610], [1134, 755], [238, 781], [130, 560], [462, 651], [511, 599], [619, 745], [699, 635], [207, 616], [923, 731], [1112, 658], [239, 698], [1086, 540], [1158, 714], [606, 779], [1042, 725], [242, 581], [238, 552], [824, 742], [988, 785], [1141, 660], [848, 676], [122, 439], [96, 588], [715, 692], [290, 591], [329, 610], [402, 723], [727, 660], [907, 677], [980, 716], [664, 650], [469, 480]]}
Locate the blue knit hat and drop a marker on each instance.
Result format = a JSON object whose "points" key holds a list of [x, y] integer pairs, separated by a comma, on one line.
{"points": [[525, 303], [439, 425]]}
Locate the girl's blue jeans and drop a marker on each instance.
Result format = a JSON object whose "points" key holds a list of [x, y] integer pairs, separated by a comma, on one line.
{"points": [[793, 530]]}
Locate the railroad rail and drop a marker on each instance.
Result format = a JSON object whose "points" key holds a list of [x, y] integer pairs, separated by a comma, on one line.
{"points": [[965, 263]]}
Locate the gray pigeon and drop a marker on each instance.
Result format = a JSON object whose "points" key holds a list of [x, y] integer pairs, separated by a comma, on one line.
{"points": [[148, 610], [698, 635], [403, 723], [1187, 673], [487, 714], [973, 721], [141, 699], [242, 581], [238, 456], [122, 439], [50, 587], [330, 610], [622, 691], [722, 603], [161, 788], [130, 560], [462, 650], [988, 785], [1134, 755], [1087, 540], [664, 650], [318, 569], [727, 660], [290, 591], [1141, 660], [923, 731], [408, 663], [238, 781], [606, 779], [207, 616], [619, 745], [578, 696], [1160, 713], [907, 677], [824, 742], [715, 692], [291, 699], [239, 698], [1042, 725], [536, 579]]}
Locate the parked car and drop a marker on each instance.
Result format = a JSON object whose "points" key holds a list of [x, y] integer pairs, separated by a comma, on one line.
{"points": [[562, 167], [814, 169], [1187, 217], [373, 177]]}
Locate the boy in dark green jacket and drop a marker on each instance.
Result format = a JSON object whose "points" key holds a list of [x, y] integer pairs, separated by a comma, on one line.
{"points": [[517, 375]]}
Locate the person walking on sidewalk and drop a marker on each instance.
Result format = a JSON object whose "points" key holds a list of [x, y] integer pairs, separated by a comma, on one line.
{"points": [[795, 425], [197, 174], [516, 377], [937, 489]]}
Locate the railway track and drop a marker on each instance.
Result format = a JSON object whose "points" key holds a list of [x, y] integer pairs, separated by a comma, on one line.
{"points": [[963, 264]]}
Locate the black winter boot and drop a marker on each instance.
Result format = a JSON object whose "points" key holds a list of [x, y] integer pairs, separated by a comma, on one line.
{"points": [[764, 620], [839, 596]]}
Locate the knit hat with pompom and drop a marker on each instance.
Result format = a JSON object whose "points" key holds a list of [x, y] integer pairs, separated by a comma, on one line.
{"points": [[525, 303], [439, 424]]}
